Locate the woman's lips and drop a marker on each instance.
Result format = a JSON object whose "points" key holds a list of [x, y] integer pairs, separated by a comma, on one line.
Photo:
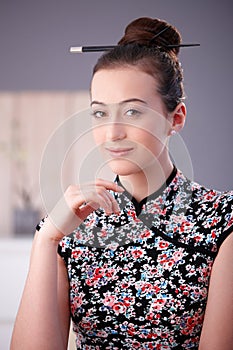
{"points": [[119, 152]]}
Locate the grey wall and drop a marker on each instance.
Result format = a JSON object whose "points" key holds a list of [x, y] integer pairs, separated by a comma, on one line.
{"points": [[35, 37]]}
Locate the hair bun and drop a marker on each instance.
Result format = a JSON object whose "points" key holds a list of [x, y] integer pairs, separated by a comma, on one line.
{"points": [[152, 32]]}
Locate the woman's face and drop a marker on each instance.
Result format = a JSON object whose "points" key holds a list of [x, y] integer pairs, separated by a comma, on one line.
{"points": [[130, 122]]}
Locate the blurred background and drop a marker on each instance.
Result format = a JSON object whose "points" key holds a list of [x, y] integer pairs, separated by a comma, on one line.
{"points": [[42, 84]]}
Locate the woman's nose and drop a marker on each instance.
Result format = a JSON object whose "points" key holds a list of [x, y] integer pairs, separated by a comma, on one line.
{"points": [[115, 131]]}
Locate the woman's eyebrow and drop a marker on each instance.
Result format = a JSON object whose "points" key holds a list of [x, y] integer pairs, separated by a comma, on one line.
{"points": [[122, 102], [133, 100], [97, 103]]}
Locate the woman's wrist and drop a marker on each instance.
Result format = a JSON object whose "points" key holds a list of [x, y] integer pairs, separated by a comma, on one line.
{"points": [[47, 231]]}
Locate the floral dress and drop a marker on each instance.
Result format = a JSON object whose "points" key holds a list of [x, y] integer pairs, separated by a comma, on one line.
{"points": [[139, 280]]}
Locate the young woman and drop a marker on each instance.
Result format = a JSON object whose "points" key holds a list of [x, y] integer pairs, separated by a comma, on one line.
{"points": [[149, 262]]}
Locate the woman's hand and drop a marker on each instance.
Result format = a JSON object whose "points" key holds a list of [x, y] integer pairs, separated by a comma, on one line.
{"points": [[78, 202]]}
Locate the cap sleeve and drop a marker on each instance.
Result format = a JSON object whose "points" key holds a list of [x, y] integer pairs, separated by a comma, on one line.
{"points": [[64, 249], [226, 206]]}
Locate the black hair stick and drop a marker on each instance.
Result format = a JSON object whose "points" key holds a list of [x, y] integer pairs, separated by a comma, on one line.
{"points": [[81, 49]]}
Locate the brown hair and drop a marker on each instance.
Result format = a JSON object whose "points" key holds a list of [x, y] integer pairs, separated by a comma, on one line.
{"points": [[145, 45]]}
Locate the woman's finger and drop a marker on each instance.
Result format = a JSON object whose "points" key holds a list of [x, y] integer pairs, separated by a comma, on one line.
{"points": [[108, 185]]}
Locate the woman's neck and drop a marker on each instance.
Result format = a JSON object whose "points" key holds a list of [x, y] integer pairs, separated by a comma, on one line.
{"points": [[147, 181]]}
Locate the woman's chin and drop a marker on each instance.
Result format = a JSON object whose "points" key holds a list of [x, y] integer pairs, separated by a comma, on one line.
{"points": [[123, 167]]}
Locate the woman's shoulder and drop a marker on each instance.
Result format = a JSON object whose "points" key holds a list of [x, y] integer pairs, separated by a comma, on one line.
{"points": [[211, 199], [203, 194], [212, 209]]}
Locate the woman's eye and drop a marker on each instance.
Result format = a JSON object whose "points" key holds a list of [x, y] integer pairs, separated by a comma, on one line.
{"points": [[99, 114], [133, 113]]}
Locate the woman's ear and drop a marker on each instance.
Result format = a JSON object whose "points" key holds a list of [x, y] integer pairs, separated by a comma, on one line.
{"points": [[177, 118]]}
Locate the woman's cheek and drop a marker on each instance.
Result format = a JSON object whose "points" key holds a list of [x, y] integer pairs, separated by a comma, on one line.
{"points": [[99, 135]]}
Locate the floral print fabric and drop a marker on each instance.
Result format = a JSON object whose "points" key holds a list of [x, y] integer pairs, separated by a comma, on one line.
{"points": [[139, 280]]}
